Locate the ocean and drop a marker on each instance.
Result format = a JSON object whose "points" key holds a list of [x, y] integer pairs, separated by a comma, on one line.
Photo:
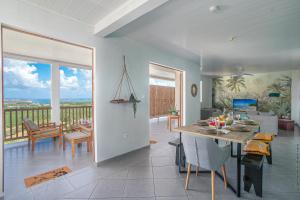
{"points": [[47, 101]]}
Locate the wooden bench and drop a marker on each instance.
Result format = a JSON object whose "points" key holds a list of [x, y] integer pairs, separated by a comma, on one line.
{"points": [[253, 173]]}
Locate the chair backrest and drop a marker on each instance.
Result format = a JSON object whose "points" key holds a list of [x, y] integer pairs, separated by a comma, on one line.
{"points": [[209, 153], [204, 152], [190, 149], [30, 125]]}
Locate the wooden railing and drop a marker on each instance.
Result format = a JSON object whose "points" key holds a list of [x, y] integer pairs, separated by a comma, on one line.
{"points": [[13, 128], [70, 115]]}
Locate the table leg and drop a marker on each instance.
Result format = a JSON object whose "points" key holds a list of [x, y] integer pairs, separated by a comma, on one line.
{"points": [[238, 187], [179, 154], [231, 149], [168, 123]]}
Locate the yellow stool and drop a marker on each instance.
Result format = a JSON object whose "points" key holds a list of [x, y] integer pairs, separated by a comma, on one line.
{"points": [[257, 147], [266, 138]]}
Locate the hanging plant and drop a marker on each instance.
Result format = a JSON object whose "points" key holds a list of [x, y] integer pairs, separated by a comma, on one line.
{"points": [[134, 101], [125, 79]]}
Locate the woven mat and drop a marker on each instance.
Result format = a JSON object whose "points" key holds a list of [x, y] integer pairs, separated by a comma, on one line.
{"points": [[34, 180], [152, 141]]}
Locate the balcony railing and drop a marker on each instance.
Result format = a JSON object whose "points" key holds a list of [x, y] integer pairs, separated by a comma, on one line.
{"points": [[14, 129]]}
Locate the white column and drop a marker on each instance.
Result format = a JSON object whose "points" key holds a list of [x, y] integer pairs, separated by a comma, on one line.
{"points": [[55, 93], [1, 134]]}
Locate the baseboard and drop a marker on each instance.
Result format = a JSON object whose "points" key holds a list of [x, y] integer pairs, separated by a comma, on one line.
{"points": [[98, 164]]}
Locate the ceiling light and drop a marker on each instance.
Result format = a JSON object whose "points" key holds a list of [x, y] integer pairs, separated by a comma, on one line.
{"points": [[232, 38], [214, 9]]}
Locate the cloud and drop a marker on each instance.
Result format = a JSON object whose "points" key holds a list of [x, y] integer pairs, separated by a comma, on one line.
{"points": [[22, 75], [87, 74], [74, 70], [68, 81]]}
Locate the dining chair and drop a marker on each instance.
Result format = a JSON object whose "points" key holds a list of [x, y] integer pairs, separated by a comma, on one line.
{"points": [[208, 152]]}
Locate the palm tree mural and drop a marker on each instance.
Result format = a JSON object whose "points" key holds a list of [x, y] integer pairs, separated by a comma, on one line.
{"points": [[227, 88], [217, 81], [217, 85], [235, 83], [275, 87]]}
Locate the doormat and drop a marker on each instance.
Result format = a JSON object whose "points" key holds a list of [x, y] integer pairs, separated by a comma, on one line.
{"points": [[152, 141], [34, 180]]}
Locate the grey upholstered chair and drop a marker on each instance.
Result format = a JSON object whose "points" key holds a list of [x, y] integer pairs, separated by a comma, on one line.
{"points": [[205, 151]]}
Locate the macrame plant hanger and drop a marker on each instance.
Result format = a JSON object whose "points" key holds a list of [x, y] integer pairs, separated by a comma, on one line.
{"points": [[125, 79]]}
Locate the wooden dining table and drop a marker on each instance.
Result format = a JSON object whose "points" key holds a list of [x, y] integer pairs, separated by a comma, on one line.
{"points": [[234, 137]]}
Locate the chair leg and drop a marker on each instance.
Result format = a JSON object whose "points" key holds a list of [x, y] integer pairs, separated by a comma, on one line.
{"points": [[32, 145], [88, 145], [168, 123], [224, 175], [73, 149], [64, 145], [212, 185], [187, 180], [60, 140], [29, 141]]}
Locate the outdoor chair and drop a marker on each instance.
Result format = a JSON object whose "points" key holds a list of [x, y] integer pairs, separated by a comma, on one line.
{"points": [[36, 133]]}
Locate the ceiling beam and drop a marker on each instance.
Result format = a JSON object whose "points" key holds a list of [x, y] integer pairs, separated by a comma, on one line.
{"points": [[126, 13]]}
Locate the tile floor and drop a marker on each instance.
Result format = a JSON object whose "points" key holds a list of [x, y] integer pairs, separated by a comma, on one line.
{"points": [[147, 174]]}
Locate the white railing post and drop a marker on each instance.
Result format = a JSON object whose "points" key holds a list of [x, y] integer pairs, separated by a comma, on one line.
{"points": [[55, 93]]}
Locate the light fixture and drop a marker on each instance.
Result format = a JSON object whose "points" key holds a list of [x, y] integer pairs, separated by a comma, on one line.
{"points": [[231, 39], [214, 9]]}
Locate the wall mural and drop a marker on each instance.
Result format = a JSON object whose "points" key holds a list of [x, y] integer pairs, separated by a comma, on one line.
{"points": [[273, 91]]}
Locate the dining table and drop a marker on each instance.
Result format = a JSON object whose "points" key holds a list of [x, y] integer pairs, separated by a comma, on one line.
{"points": [[233, 137]]}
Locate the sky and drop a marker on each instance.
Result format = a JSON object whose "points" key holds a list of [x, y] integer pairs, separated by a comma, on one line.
{"points": [[31, 80]]}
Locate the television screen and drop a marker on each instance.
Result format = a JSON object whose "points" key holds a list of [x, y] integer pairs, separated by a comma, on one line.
{"points": [[244, 104]]}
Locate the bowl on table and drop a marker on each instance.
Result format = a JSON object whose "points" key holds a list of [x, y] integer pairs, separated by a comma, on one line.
{"points": [[247, 122], [239, 128]]}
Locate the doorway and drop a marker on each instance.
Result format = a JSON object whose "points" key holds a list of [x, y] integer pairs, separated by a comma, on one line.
{"points": [[166, 101], [44, 80]]}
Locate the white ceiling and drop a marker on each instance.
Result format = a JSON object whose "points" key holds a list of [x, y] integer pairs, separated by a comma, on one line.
{"points": [[267, 33], [86, 11], [17, 43]]}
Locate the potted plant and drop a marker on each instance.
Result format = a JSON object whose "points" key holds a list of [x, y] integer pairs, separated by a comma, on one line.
{"points": [[173, 110]]}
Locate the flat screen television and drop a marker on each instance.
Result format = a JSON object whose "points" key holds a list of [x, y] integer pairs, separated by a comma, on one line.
{"points": [[244, 105]]}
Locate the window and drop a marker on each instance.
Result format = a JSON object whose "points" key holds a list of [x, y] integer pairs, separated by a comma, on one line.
{"points": [[161, 82], [201, 92]]}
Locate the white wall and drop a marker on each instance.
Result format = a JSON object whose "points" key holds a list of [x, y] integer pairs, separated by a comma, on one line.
{"points": [[206, 91], [1, 135], [296, 96], [112, 121], [117, 120]]}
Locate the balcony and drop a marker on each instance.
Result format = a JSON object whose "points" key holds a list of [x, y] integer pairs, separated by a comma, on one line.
{"points": [[13, 120]]}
